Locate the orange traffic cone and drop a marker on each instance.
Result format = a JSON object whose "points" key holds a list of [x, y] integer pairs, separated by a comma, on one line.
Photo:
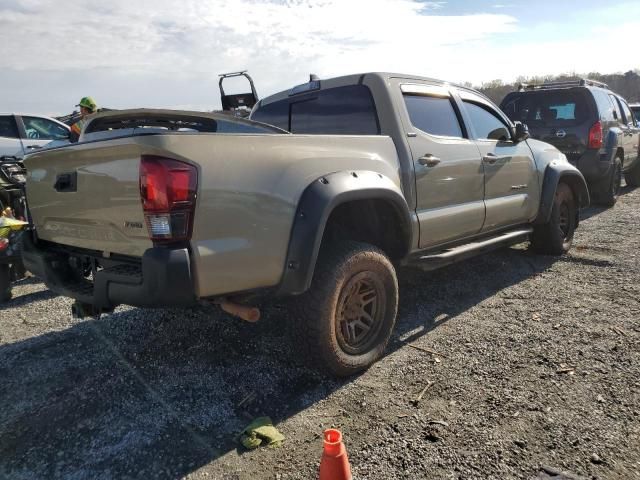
{"points": [[334, 464]]}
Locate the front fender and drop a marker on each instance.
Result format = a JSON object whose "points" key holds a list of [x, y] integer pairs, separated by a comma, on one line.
{"points": [[555, 173], [318, 200]]}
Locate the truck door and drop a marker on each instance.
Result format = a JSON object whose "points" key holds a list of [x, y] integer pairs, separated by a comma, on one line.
{"points": [[510, 176], [10, 143], [448, 171]]}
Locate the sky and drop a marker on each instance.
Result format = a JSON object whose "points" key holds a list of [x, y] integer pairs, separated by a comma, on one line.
{"points": [[168, 54]]}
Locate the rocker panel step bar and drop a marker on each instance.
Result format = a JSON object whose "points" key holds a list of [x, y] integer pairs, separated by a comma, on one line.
{"points": [[468, 250]]}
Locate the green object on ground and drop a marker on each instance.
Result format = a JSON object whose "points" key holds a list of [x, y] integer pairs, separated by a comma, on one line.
{"points": [[261, 432]]}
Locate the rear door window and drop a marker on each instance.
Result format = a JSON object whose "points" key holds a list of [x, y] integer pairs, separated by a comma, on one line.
{"points": [[548, 108], [348, 110], [8, 127], [433, 115]]}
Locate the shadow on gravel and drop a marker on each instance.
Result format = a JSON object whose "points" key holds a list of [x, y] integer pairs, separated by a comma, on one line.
{"points": [[157, 394], [594, 209]]}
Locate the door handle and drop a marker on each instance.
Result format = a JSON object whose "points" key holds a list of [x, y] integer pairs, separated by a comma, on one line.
{"points": [[34, 146], [490, 158], [429, 160]]}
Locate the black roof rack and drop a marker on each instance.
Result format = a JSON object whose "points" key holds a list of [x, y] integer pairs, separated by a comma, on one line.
{"points": [[582, 82]]}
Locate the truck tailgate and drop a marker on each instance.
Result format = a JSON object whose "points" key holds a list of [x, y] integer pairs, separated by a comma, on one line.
{"points": [[88, 196]]}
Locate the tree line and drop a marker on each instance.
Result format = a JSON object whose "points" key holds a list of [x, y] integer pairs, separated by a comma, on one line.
{"points": [[625, 84]]}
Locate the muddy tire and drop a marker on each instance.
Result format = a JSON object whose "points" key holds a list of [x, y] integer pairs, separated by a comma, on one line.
{"points": [[555, 236], [607, 194], [343, 323], [5, 283], [632, 177]]}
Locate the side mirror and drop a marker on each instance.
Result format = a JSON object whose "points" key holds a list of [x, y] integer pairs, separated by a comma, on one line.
{"points": [[520, 132]]}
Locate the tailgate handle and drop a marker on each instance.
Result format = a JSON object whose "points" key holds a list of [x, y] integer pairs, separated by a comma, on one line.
{"points": [[66, 182]]}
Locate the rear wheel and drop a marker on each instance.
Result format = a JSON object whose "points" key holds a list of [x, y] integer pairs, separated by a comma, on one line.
{"points": [[5, 283], [346, 318], [607, 195], [632, 177], [555, 236]]}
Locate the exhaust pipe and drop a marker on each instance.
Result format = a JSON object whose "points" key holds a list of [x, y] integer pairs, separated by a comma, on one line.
{"points": [[246, 313]]}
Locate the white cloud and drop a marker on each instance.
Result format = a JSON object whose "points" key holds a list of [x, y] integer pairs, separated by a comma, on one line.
{"points": [[280, 42], [166, 53]]}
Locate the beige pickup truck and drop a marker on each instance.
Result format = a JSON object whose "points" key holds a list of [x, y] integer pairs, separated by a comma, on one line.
{"points": [[327, 189]]}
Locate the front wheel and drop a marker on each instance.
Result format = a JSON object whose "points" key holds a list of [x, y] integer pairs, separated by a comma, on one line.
{"points": [[555, 236], [345, 320]]}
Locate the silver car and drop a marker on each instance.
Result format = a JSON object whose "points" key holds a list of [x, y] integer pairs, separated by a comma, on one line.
{"points": [[22, 134]]}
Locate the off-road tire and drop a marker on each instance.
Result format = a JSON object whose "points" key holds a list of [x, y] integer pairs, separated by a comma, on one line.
{"points": [[555, 236], [345, 278], [632, 177], [5, 283], [607, 194]]}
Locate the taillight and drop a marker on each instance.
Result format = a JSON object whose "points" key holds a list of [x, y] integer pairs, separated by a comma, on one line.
{"points": [[168, 193], [595, 136]]}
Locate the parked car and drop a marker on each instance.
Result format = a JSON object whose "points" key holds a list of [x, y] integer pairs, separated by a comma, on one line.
{"points": [[166, 209], [590, 124], [21, 134]]}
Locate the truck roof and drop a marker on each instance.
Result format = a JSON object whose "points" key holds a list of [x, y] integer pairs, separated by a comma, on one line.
{"points": [[358, 78]]}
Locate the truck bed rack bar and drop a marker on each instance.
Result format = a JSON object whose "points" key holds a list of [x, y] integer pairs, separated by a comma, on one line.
{"points": [[582, 82]]}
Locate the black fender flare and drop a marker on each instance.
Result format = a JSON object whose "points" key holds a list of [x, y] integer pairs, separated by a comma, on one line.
{"points": [[317, 202], [553, 175]]}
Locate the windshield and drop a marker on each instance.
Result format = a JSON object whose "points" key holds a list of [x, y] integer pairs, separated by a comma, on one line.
{"points": [[549, 108]]}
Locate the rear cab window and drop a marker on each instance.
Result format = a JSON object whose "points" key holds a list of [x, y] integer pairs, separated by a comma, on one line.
{"points": [[348, 110], [431, 110], [549, 108]]}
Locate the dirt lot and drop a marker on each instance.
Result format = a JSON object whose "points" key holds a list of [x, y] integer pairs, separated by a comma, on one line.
{"points": [[539, 367]]}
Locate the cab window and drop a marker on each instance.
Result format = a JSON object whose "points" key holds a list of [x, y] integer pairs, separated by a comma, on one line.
{"points": [[487, 125], [42, 129], [433, 115], [348, 110], [8, 127]]}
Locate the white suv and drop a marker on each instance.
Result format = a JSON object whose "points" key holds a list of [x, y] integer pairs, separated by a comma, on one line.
{"points": [[23, 134]]}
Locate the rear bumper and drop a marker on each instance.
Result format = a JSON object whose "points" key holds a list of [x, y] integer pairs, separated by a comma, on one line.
{"points": [[162, 278], [594, 166]]}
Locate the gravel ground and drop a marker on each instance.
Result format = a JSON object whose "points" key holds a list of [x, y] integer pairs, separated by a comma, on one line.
{"points": [[538, 371]]}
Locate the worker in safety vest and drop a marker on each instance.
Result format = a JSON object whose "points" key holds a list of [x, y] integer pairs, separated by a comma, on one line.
{"points": [[87, 107]]}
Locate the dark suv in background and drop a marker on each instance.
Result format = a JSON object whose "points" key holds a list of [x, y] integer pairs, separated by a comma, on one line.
{"points": [[593, 126]]}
